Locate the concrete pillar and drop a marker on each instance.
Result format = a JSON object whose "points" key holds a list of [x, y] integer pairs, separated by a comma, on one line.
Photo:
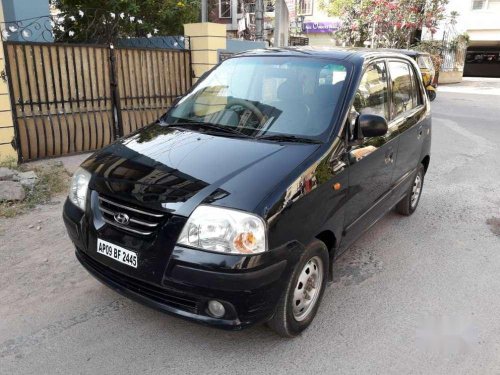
{"points": [[205, 39], [7, 134], [281, 24], [204, 10]]}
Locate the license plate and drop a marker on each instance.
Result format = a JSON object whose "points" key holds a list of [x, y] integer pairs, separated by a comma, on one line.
{"points": [[117, 253]]}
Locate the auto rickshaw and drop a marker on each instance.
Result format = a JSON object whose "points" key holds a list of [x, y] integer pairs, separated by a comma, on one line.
{"points": [[427, 69]]}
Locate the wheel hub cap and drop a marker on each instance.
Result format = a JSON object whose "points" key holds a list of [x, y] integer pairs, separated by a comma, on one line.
{"points": [[416, 190], [308, 287]]}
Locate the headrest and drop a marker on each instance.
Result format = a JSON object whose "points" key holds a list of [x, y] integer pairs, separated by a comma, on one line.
{"points": [[291, 89], [328, 93]]}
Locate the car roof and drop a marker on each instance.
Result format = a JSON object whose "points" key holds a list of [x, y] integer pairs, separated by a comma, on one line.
{"points": [[352, 54], [407, 52]]}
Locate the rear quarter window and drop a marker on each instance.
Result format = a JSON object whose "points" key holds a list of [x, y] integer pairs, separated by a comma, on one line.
{"points": [[417, 94]]}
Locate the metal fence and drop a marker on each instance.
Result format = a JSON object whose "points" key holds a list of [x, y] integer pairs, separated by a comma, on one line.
{"points": [[148, 82], [453, 58], [453, 50], [70, 98]]}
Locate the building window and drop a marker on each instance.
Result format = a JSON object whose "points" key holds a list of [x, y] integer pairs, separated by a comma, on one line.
{"points": [[486, 4], [305, 7], [478, 4], [249, 7], [268, 6], [494, 4], [224, 8]]}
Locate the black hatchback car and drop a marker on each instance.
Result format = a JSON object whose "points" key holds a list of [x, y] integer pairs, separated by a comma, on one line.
{"points": [[232, 207]]}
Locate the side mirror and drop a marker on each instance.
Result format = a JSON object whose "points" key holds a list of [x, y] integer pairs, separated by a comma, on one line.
{"points": [[370, 126]]}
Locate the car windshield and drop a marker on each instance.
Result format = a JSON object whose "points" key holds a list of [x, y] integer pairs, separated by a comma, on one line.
{"points": [[265, 97]]}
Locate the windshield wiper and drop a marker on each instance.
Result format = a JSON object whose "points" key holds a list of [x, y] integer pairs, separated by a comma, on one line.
{"points": [[287, 138], [211, 126]]}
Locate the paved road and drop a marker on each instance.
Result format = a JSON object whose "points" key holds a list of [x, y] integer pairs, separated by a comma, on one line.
{"points": [[417, 295]]}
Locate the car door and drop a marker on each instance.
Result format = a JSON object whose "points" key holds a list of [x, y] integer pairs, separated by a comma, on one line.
{"points": [[371, 163], [408, 112]]}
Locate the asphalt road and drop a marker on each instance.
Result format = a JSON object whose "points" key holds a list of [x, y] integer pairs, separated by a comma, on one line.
{"points": [[417, 295]]}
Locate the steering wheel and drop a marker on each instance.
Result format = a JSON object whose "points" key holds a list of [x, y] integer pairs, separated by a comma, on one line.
{"points": [[232, 102]]}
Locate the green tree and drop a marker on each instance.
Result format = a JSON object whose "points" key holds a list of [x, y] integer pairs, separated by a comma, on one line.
{"points": [[385, 23], [106, 20]]}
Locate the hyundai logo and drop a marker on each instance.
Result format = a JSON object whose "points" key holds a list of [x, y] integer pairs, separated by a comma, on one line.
{"points": [[121, 218]]}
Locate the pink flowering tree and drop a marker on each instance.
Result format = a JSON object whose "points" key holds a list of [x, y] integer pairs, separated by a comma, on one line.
{"points": [[385, 23]]}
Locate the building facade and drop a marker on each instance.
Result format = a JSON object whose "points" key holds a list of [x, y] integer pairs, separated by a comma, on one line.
{"points": [[483, 27], [479, 20], [316, 24], [282, 19]]}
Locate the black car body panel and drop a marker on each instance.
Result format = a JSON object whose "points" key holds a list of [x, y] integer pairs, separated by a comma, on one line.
{"points": [[183, 170], [303, 191]]}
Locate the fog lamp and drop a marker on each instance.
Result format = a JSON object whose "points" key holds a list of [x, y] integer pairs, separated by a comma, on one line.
{"points": [[216, 309]]}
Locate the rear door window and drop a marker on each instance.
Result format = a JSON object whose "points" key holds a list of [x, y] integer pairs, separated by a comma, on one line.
{"points": [[402, 88]]}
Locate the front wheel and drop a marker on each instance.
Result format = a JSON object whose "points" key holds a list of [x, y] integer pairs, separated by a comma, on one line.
{"points": [[299, 303]]}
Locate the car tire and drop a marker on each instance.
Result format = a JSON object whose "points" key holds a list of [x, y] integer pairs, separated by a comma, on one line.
{"points": [[295, 313], [409, 203], [431, 94]]}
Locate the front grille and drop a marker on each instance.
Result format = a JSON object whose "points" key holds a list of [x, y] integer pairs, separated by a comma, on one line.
{"points": [[140, 221], [152, 292]]}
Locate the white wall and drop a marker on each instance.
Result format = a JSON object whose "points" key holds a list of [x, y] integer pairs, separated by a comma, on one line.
{"points": [[481, 25]]}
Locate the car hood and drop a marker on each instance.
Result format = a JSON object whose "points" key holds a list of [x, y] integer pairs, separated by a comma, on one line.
{"points": [[175, 170]]}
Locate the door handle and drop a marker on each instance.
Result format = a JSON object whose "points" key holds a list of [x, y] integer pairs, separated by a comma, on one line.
{"points": [[389, 157], [411, 119]]}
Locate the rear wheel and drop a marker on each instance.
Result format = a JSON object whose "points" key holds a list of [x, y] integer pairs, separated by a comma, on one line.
{"points": [[409, 203], [299, 303]]}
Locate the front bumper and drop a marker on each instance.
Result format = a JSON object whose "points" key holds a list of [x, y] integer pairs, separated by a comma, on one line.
{"points": [[248, 287]]}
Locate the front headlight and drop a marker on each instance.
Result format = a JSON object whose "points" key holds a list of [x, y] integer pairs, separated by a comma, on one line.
{"points": [[78, 188], [224, 230]]}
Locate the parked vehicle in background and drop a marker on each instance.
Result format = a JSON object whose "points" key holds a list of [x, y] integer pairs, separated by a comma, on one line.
{"points": [[426, 67], [231, 208]]}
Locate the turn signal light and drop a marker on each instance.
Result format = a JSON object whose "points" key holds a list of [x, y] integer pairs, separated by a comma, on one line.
{"points": [[245, 242]]}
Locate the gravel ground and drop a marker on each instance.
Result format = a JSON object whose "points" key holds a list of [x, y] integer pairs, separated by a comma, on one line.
{"points": [[417, 295]]}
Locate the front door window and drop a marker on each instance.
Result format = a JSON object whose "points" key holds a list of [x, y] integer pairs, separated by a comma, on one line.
{"points": [[372, 95], [372, 98]]}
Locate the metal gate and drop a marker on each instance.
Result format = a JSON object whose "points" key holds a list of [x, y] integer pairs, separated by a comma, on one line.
{"points": [[70, 98], [148, 82]]}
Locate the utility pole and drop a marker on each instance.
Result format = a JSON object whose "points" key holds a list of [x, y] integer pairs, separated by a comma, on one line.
{"points": [[204, 11], [372, 42], [259, 19], [277, 23], [234, 14]]}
